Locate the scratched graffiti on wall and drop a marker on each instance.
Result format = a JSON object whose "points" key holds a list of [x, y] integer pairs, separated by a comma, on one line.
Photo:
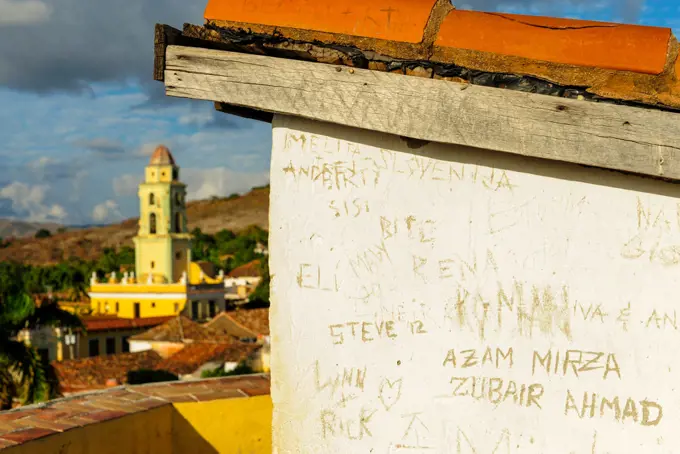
{"points": [[445, 301]]}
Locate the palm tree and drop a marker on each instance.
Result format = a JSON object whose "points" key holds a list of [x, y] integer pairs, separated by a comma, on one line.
{"points": [[22, 372]]}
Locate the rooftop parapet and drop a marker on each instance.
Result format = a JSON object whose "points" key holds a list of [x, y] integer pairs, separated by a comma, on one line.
{"points": [[230, 414]]}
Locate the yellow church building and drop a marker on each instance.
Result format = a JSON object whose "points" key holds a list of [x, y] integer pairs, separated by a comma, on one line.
{"points": [[166, 282]]}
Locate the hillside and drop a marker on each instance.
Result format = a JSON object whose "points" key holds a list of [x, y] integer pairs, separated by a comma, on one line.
{"points": [[209, 215], [14, 228]]}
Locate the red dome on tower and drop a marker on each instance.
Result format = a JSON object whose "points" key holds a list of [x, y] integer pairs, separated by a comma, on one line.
{"points": [[162, 157]]}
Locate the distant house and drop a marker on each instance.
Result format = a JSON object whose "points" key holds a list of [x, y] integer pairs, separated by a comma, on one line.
{"points": [[109, 335], [242, 281], [172, 336], [242, 324], [188, 348], [195, 358], [103, 335], [247, 325]]}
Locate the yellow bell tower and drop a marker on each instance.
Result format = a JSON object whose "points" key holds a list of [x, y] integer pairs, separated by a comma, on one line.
{"points": [[162, 244]]}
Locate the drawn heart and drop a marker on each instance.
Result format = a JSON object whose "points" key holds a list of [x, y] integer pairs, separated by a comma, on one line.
{"points": [[390, 392]]}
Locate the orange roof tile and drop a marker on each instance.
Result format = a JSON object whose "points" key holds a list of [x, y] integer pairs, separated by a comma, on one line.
{"points": [[85, 374], [250, 269], [396, 20], [568, 41], [193, 356], [172, 331], [430, 38], [105, 322], [242, 323]]}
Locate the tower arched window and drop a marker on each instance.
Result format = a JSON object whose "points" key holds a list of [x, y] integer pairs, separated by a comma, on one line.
{"points": [[178, 199], [152, 223], [152, 199], [178, 223]]}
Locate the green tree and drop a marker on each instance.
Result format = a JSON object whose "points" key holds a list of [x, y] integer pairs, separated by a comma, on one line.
{"points": [[242, 369], [42, 233], [141, 376], [23, 374], [260, 296]]}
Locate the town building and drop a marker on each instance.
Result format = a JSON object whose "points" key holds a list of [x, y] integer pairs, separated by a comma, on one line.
{"points": [[242, 281], [179, 346], [166, 282]]}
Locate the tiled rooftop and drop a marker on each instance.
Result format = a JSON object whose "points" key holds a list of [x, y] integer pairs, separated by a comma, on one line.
{"points": [[173, 331], [242, 323], [29, 423], [430, 38], [193, 356], [85, 374], [250, 269], [110, 322]]}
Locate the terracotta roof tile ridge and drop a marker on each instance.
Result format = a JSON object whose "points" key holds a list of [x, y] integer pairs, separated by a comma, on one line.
{"points": [[633, 65], [551, 27], [241, 325], [245, 328]]}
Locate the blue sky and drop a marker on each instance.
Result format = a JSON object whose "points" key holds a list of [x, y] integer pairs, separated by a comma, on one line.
{"points": [[79, 113]]}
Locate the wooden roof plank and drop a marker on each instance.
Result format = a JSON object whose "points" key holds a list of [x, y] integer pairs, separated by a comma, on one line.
{"points": [[638, 140]]}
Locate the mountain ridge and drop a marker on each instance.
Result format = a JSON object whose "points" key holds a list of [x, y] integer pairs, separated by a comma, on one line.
{"points": [[211, 216]]}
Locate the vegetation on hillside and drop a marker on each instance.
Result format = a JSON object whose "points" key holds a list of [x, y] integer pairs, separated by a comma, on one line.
{"points": [[88, 242], [24, 374], [225, 249]]}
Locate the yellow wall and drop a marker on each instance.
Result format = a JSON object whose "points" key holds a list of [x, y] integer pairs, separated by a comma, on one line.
{"points": [[229, 426], [149, 307], [148, 432], [181, 257], [153, 255]]}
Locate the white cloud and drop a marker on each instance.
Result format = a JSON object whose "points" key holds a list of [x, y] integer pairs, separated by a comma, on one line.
{"points": [[199, 118], [28, 201], [147, 149], [219, 181], [127, 184], [106, 212], [23, 12]]}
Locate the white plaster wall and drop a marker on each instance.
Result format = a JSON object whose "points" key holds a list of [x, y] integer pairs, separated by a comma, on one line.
{"points": [[139, 346], [400, 274]]}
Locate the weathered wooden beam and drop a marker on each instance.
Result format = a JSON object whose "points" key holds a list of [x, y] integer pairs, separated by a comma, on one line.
{"points": [[638, 140], [245, 112], [164, 36]]}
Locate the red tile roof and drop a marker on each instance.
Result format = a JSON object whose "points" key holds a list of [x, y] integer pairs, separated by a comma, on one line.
{"points": [[84, 374], [173, 331], [250, 269], [242, 323], [194, 355], [568, 41], [106, 323], [398, 20], [621, 62]]}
